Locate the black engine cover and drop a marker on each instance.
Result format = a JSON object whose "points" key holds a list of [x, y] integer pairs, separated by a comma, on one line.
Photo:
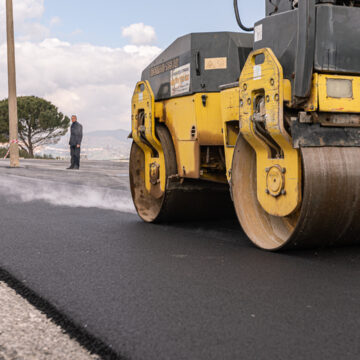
{"points": [[336, 39], [198, 62]]}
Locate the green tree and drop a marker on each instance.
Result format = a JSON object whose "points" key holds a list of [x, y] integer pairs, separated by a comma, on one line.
{"points": [[40, 123]]}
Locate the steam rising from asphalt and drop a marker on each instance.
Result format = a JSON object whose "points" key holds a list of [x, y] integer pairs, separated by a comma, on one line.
{"points": [[19, 189]]}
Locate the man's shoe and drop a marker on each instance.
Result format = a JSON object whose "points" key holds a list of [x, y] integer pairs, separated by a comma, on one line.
{"points": [[76, 168], [70, 168]]}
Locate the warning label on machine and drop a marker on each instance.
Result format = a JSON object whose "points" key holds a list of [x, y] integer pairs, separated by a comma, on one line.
{"points": [[258, 36], [257, 72], [216, 63], [180, 80]]}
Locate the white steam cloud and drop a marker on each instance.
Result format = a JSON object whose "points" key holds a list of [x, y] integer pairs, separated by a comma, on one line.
{"points": [[19, 189]]}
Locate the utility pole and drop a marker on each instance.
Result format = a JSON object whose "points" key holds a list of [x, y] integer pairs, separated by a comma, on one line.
{"points": [[13, 114]]}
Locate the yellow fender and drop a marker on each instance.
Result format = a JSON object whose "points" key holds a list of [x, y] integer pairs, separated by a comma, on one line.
{"points": [[278, 179], [144, 134]]}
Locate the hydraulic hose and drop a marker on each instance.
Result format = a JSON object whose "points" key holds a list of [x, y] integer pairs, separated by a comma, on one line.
{"points": [[238, 19]]}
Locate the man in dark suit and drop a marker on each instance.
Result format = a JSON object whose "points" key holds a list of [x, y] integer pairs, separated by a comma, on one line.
{"points": [[75, 143]]}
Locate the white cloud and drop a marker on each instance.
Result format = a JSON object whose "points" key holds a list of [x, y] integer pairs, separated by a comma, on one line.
{"points": [[26, 16], [93, 81], [76, 32], [140, 34], [55, 21], [33, 31], [27, 9]]}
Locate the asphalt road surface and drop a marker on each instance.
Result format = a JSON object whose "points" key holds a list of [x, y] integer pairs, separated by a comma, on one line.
{"points": [[175, 292]]}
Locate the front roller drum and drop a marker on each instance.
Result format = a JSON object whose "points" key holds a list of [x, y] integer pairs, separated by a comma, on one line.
{"points": [[330, 211]]}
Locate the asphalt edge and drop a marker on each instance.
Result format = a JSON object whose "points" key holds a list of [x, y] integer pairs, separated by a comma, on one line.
{"points": [[94, 345]]}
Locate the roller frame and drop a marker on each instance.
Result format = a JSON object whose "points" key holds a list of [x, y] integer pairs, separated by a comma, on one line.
{"points": [[143, 100], [267, 78]]}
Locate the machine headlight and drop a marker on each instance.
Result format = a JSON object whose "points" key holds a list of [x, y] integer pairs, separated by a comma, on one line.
{"points": [[339, 88]]}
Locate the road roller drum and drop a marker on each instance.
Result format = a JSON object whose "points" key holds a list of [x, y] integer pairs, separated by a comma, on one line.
{"points": [[330, 210], [181, 200]]}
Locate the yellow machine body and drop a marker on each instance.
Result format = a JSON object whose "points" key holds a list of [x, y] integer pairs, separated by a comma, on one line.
{"points": [[207, 128], [217, 119], [193, 121], [213, 120], [230, 112], [193, 124], [334, 94]]}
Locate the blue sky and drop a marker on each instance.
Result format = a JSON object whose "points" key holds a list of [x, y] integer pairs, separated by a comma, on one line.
{"points": [[101, 22]]}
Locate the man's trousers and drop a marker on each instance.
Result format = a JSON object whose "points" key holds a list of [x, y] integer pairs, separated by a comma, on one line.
{"points": [[75, 157]]}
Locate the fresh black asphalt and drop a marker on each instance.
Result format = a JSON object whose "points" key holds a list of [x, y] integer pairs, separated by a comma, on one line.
{"points": [[182, 292]]}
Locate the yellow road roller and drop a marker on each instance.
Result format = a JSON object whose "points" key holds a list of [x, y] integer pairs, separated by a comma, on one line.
{"points": [[266, 122]]}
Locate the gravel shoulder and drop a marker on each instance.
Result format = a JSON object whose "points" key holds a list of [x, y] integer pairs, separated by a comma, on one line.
{"points": [[27, 334]]}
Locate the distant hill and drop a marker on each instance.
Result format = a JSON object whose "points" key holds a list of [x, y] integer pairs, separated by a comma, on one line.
{"points": [[97, 145], [119, 134]]}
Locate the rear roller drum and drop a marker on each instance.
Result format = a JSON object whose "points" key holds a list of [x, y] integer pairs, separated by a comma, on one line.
{"points": [[190, 200], [330, 210]]}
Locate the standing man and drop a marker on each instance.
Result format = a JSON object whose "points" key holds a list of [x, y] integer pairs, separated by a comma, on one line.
{"points": [[75, 143]]}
